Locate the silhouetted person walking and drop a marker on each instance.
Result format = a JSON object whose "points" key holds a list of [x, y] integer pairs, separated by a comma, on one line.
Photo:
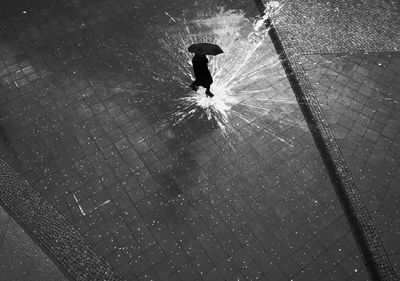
{"points": [[201, 74]]}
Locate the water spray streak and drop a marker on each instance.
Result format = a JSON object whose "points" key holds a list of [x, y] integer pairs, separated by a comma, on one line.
{"points": [[244, 75], [240, 75]]}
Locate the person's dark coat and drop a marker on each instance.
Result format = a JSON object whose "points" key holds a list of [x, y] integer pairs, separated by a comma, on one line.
{"points": [[201, 72]]}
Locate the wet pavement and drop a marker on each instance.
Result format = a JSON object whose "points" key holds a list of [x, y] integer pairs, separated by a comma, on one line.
{"points": [[351, 58], [364, 116], [97, 114]]}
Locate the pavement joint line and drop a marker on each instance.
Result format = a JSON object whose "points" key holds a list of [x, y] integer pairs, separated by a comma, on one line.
{"points": [[67, 248], [362, 226]]}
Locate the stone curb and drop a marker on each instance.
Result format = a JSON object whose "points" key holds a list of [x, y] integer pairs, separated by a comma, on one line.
{"points": [[68, 249], [363, 228]]}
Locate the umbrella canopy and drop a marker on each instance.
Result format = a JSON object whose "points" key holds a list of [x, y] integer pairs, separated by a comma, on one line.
{"points": [[205, 49]]}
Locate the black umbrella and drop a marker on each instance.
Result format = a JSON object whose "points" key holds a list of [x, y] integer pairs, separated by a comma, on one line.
{"points": [[205, 49]]}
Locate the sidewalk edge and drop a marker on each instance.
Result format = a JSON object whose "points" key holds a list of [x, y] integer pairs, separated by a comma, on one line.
{"points": [[67, 248], [362, 226]]}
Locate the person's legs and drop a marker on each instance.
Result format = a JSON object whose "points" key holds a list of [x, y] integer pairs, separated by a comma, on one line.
{"points": [[208, 93]]}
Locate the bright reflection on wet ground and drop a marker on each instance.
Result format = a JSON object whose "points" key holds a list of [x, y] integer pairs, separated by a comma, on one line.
{"points": [[239, 74]]}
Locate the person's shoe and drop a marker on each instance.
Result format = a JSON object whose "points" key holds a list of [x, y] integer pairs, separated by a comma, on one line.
{"points": [[209, 94], [193, 86]]}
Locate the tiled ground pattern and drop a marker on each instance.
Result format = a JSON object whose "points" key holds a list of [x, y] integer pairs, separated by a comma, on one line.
{"points": [[340, 26], [347, 191], [359, 96], [20, 258], [64, 244], [158, 201]]}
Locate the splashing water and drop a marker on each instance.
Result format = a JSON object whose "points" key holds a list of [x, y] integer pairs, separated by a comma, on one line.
{"points": [[272, 8], [251, 93], [240, 74], [244, 75], [231, 74]]}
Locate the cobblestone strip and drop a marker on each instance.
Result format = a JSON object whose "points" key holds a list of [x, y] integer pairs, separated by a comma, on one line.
{"points": [[356, 212], [362, 225], [56, 236], [351, 26]]}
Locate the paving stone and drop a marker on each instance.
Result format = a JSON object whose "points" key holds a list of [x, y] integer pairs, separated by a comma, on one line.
{"points": [[369, 165], [191, 199]]}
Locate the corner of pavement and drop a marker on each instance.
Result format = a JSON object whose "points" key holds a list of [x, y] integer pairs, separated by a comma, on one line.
{"points": [[69, 250], [20, 257]]}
